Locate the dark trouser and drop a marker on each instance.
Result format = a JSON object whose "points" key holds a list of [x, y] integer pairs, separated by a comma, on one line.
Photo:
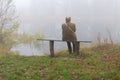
{"points": [[70, 47]]}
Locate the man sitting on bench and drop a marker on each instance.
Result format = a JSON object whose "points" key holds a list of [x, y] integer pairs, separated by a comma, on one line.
{"points": [[68, 34]]}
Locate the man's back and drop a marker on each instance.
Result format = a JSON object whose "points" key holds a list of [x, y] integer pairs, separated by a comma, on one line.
{"points": [[68, 32]]}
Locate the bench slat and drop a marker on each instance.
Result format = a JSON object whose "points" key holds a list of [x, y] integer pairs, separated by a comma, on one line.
{"points": [[63, 41]]}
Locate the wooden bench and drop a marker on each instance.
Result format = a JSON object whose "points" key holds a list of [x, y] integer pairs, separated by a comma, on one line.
{"points": [[51, 45]]}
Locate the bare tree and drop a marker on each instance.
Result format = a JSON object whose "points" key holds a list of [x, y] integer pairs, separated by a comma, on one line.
{"points": [[110, 36], [8, 22], [7, 13], [99, 38]]}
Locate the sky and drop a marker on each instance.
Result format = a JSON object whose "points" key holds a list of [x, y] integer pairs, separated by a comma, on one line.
{"points": [[70, 7], [90, 16]]}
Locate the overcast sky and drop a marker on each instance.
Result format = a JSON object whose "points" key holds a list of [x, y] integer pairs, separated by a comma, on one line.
{"points": [[84, 9]]}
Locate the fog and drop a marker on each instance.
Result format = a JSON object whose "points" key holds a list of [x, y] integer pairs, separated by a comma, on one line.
{"points": [[90, 16]]}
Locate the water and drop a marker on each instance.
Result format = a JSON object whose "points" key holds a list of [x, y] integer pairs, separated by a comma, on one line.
{"points": [[27, 50], [43, 49]]}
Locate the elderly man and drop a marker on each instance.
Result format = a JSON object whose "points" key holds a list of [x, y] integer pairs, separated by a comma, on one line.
{"points": [[68, 34]]}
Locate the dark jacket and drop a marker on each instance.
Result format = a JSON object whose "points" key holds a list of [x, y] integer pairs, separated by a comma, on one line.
{"points": [[68, 32]]}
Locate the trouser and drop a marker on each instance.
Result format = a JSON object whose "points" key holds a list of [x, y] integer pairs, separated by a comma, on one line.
{"points": [[70, 49]]}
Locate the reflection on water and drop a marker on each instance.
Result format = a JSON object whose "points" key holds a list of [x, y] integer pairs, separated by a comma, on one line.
{"points": [[27, 50], [43, 49]]}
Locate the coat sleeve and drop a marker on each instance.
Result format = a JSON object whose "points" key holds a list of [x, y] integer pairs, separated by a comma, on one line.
{"points": [[62, 27], [74, 28], [62, 30]]}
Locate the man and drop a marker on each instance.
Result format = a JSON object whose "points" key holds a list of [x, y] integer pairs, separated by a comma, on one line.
{"points": [[68, 34]]}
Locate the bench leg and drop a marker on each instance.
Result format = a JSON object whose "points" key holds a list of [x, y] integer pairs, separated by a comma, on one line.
{"points": [[77, 47], [51, 48]]}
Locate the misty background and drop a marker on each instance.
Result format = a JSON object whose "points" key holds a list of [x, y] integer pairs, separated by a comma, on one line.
{"points": [[90, 16]]}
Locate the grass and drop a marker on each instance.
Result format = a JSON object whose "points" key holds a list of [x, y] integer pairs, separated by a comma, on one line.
{"points": [[95, 63]]}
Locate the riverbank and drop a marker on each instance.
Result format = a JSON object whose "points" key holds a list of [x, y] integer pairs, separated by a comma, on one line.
{"points": [[95, 63]]}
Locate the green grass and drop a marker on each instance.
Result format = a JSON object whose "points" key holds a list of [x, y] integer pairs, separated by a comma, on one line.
{"points": [[94, 63]]}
